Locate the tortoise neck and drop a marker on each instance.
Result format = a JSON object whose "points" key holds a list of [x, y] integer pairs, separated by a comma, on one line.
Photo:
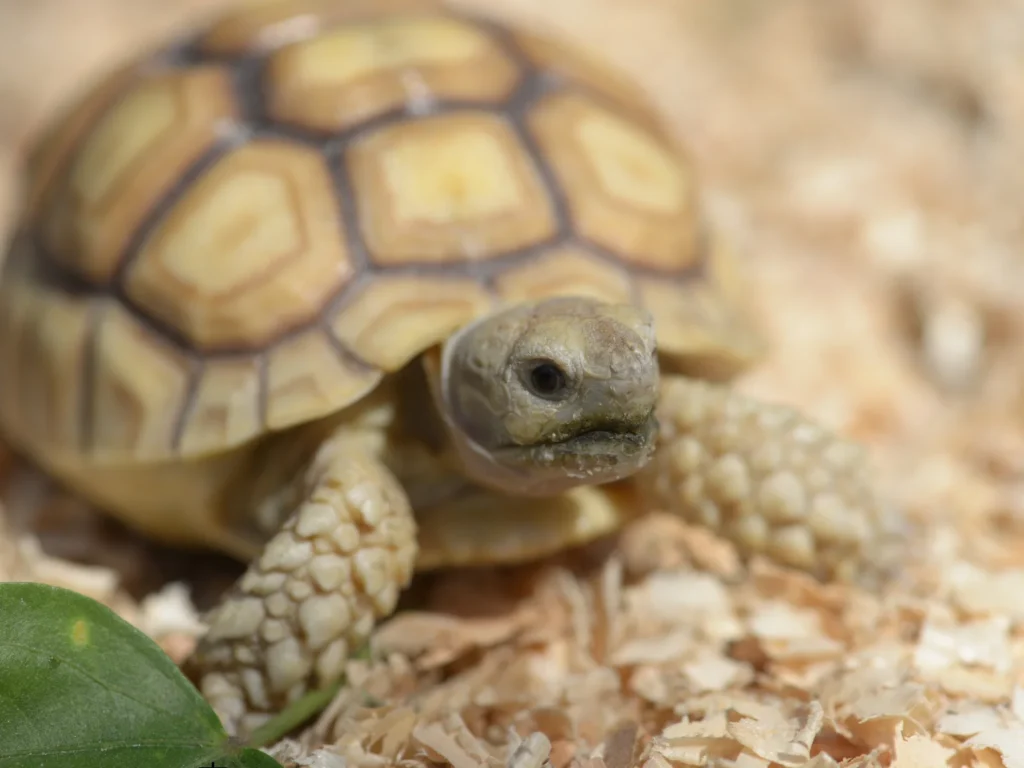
{"points": [[398, 424]]}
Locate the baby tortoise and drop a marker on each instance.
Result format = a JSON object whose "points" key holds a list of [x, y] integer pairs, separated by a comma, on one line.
{"points": [[349, 289]]}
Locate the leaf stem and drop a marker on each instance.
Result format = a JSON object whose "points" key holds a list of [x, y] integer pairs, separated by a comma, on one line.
{"points": [[292, 716]]}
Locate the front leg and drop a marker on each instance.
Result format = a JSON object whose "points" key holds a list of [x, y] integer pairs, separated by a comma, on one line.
{"points": [[767, 479], [335, 566]]}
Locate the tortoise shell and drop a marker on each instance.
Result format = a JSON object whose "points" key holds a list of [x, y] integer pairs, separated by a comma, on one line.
{"points": [[247, 229]]}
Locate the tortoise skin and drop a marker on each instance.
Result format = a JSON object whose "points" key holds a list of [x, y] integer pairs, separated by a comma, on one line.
{"points": [[247, 230]]}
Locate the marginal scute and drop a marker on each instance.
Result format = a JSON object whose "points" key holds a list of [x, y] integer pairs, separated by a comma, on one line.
{"points": [[21, 305], [696, 330], [225, 407], [397, 316], [15, 291], [50, 152], [355, 73], [451, 188], [307, 377], [52, 383], [564, 271], [584, 69], [628, 191], [728, 274], [139, 389], [254, 248], [133, 155], [266, 24]]}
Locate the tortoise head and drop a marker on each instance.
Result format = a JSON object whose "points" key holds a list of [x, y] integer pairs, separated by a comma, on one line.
{"points": [[547, 395]]}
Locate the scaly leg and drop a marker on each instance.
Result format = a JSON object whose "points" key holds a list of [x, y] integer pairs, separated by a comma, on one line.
{"points": [[769, 480], [345, 550]]}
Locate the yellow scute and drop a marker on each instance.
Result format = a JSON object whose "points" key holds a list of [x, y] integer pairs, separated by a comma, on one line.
{"points": [[122, 138], [254, 248], [631, 166], [360, 50], [454, 176], [245, 226]]}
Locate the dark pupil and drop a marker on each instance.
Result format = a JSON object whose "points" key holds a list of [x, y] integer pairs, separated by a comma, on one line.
{"points": [[547, 378]]}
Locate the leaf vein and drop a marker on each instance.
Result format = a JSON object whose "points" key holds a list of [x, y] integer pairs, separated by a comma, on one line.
{"points": [[108, 747], [85, 673]]}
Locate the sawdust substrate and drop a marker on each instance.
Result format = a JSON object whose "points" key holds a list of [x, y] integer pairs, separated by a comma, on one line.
{"points": [[868, 155]]}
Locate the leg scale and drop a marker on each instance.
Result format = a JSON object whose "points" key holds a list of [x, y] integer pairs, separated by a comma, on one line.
{"points": [[769, 480], [336, 566]]}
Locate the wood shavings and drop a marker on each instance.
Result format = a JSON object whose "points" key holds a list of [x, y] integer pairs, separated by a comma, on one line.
{"points": [[532, 752], [662, 542], [773, 735], [969, 720], [695, 743], [747, 760], [653, 650], [620, 746], [1006, 745], [1017, 703], [920, 751], [869, 703], [434, 640], [168, 611], [97, 582], [985, 643], [709, 672], [983, 592], [453, 743], [292, 755], [171, 619], [685, 600], [392, 731], [789, 633], [609, 625]]}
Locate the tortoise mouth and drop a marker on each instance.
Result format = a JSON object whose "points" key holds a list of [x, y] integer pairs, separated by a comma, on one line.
{"points": [[599, 454], [601, 441]]}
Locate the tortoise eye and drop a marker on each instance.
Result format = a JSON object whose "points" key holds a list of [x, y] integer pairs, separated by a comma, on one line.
{"points": [[547, 379]]}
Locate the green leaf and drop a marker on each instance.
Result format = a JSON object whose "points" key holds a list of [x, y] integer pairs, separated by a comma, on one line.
{"points": [[82, 688]]}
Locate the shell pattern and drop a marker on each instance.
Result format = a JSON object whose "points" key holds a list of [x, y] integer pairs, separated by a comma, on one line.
{"points": [[247, 229]]}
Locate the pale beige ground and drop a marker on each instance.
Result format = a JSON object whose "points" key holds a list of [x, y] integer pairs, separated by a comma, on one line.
{"points": [[869, 156]]}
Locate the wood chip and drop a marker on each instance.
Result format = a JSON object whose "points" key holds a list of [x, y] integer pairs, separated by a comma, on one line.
{"points": [[920, 751], [1006, 743], [776, 736]]}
